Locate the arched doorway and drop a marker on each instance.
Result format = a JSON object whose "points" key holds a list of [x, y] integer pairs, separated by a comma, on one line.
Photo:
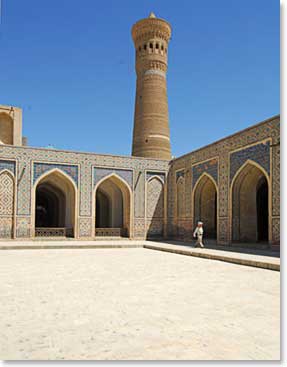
{"points": [[55, 205], [112, 207], [250, 205], [205, 205]]}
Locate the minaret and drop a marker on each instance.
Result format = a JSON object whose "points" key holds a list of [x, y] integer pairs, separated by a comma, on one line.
{"points": [[151, 137]]}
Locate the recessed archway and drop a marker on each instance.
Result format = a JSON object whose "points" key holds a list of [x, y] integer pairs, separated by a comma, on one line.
{"points": [[112, 207], [55, 205], [205, 205], [250, 204], [155, 207]]}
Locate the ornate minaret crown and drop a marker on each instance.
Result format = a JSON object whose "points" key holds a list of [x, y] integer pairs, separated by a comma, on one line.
{"points": [[151, 137]]}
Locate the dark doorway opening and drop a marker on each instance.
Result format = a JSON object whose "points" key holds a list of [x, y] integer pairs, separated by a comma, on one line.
{"points": [[262, 210]]}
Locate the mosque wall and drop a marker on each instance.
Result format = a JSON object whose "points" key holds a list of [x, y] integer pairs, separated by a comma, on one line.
{"points": [[220, 163]]}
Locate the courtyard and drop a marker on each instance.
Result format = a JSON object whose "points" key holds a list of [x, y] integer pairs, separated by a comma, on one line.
{"points": [[135, 303]]}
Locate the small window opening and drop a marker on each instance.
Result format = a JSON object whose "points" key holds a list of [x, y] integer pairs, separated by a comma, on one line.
{"points": [[150, 45]]}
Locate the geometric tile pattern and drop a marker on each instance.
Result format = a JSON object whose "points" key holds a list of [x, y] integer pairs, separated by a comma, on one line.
{"points": [[40, 168], [8, 165], [179, 174], [159, 174], [259, 153], [155, 199], [231, 152], [246, 144], [126, 175], [155, 208], [210, 167], [6, 194], [6, 204]]}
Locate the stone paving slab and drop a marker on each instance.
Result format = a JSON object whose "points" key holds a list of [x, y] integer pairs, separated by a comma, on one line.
{"points": [[135, 304], [265, 262]]}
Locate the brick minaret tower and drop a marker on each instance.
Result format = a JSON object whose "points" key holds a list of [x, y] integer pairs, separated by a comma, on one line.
{"points": [[151, 137]]}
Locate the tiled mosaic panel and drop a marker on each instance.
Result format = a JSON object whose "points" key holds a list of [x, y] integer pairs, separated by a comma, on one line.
{"points": [[139, 228], [155, 199], [223, 235], [259, 153], [6, 226], [210, 167], [41, 168], [275, 230], [6, 194], [223, 185], [188, 194], [24, 187], [276, 181], [126, 175], [179, 174], [159, 174], [7, 165], [139, 195], [23, 227], [86, 189], [85, 226], [154, 227], [181, 197]]}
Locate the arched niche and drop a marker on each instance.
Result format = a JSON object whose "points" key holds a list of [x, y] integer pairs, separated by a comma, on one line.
{"points": [[205, 205], [155, 207], [112, 207], [250, 204], [55, 205]]}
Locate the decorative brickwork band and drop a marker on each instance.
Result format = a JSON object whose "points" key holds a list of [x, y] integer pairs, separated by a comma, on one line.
{"points": [[151, 136]]}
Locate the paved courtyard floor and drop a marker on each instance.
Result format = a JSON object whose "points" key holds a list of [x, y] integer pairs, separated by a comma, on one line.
{"points": [[130, 304]]}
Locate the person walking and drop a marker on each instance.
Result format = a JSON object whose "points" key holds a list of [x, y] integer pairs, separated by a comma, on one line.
{"points": [[198, 232]]}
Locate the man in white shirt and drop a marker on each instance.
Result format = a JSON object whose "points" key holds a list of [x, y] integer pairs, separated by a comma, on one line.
{"points": [[199, 234]]}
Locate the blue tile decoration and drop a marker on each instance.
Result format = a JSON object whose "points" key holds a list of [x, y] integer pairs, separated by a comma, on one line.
{"points": [[259, 153], [179, 174], [210, 167], [70, 170], [125, 174], [152, 174], [9, 165]]}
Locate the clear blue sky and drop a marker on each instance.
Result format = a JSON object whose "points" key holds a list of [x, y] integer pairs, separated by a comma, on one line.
{"points": [[70, 65]]}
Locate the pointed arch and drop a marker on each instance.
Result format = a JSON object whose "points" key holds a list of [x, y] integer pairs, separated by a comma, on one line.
{"points": [[55, 203], [205, 204], [249, 194], [7, 204], [120, 200], [155, 206]]}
